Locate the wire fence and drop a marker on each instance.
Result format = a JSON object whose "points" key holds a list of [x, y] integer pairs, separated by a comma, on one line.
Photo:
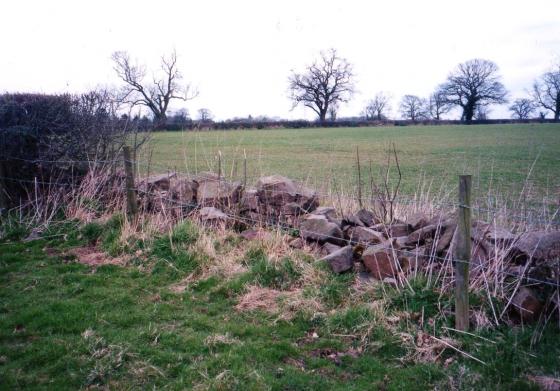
{"points": [[546, 216]]}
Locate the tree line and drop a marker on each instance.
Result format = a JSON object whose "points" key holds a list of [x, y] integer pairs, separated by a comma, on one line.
{"points": [[472, 86]]}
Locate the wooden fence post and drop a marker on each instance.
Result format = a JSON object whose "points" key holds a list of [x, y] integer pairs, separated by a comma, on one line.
{"points": [[131, 205], [462, 254]]}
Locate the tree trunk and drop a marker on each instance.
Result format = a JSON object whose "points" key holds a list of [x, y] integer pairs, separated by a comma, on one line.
{"points": [[322, 115], [468, 112], [160, 121]]}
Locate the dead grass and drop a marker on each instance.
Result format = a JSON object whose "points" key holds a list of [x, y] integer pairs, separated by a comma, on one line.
{"points": [[93, 256]]}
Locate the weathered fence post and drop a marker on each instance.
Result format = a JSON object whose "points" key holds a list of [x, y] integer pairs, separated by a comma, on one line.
{"points": [[359, 177], [462, 254], [131, 205]]}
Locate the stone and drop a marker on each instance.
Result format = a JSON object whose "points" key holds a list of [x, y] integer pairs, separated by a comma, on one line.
{"points": [[211, 214], [328, 211], [364, 235], [417, 220], [213, 191], [340, 260], [367, 217], [315, 217], [157, 182], [382, 262], [538, 245], [321, 230], [397, 230], [284, 196], [184, 191], [352, 220], [420, 235], [249, 201], [329, 248], [500, 236], [276, 190], [526, 304], [445, 238]]}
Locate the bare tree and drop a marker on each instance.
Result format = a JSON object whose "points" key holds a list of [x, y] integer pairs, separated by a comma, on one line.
{"points": [[326, 82], [546, 91], [522, 108], [377, 107], [413, 107], [437, 105], [204, 115], [155, 94], [473, 84]]}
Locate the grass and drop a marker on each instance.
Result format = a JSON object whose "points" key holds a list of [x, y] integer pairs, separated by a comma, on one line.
{"points": [[65, 325], [499, 156]]}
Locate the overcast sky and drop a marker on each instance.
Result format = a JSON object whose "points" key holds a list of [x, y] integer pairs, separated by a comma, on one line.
{"points": [[239, 53]]}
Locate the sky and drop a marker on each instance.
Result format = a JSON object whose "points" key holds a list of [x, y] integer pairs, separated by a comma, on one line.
{"points": [[239, 54]]}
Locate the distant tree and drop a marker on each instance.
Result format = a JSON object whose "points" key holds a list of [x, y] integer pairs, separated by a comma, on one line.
{"points": [[204, 115], [155, 94], [413, 107], [333, 111], [481, 113], [546, 91], [474, 84], [522, 108], [437, 105], [377, 107], [326, 82]]}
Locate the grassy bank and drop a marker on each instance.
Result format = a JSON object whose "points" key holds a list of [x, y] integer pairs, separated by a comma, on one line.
{"points": [[206, 310]]}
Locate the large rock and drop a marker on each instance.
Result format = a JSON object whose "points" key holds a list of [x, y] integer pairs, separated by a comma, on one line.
{"points": [[329, 248], [367, 217], [382, 261], [364, 235], [397, 230], [420, 235], [328, 211], [447, 233], [500, 236], [341, 260], [184, 190], [417, 220], [321, 230], [215, 191], [526, 304], [210, 214], [283, 196], [157, 182], [538, 245], [249, 201]]}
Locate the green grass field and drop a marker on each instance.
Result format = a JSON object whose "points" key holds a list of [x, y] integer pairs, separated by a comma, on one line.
{"points": [[498, 156], [67, 326]]}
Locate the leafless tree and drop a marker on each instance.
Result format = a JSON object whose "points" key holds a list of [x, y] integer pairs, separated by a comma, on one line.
{"points": [[155, 94], [437, 105], [377, 107], [522, 108], [413, 107], [204, 115], [328, 81], [546, 91], [473, 84]]}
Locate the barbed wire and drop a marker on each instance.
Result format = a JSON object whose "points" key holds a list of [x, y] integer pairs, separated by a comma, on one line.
{"points": [[368, 197], [289, 229]]}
